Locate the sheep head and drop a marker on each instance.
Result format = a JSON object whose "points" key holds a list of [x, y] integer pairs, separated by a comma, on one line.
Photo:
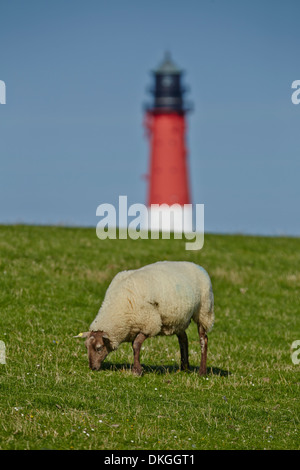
{"points": [[98, 346]]}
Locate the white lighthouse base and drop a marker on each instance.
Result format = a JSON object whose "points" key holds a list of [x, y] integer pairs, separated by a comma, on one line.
{"points": [[175, 219]]}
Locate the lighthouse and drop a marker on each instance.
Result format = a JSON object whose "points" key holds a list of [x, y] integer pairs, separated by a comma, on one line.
{"points": [[168, 174]]}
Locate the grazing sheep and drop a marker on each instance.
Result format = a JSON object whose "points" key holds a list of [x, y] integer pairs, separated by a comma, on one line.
{"points": [[157, 299]]}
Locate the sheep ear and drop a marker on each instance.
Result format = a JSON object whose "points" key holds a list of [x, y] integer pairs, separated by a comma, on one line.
{"points": [[105, 336], [83, 335]]}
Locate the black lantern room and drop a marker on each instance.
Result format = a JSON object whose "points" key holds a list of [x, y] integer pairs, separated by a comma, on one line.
{"points": [[168, 90]]}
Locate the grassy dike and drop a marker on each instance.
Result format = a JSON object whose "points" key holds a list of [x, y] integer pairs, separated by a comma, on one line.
{"points": [[52, 282]]}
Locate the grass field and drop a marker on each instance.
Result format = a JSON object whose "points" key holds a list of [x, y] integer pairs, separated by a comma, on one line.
{"points": [[52, 282]]}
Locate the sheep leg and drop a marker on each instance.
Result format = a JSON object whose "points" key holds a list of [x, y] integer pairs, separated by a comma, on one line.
{"points": [[184, 351], [203, 344], [137, 343]]}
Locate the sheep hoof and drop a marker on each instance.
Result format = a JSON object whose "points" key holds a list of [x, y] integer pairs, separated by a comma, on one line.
{"points": [[137, 371]]}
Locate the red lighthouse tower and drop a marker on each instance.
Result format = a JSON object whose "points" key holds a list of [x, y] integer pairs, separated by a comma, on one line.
{"points": [[165, 122]]}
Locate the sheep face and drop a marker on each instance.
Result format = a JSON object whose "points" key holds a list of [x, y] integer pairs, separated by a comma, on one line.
{"points": [[98, 347]]}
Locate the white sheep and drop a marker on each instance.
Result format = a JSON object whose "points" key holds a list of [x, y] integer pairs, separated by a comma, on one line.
{"points": [[157, 299]]}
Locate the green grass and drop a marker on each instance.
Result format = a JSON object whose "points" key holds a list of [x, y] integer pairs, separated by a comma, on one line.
{"points": [[52, 282]]}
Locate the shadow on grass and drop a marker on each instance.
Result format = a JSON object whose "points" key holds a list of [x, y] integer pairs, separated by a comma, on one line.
{"points": [[164, 369]]}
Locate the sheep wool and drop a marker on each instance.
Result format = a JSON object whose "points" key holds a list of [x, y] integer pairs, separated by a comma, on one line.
{"points": [[157, 299]]}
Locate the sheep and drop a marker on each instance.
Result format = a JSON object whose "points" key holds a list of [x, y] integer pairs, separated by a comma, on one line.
{"points": [[157, 299]]}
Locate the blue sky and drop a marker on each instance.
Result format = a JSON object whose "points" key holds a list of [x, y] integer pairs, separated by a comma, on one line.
{"points": [[76, 73]]}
